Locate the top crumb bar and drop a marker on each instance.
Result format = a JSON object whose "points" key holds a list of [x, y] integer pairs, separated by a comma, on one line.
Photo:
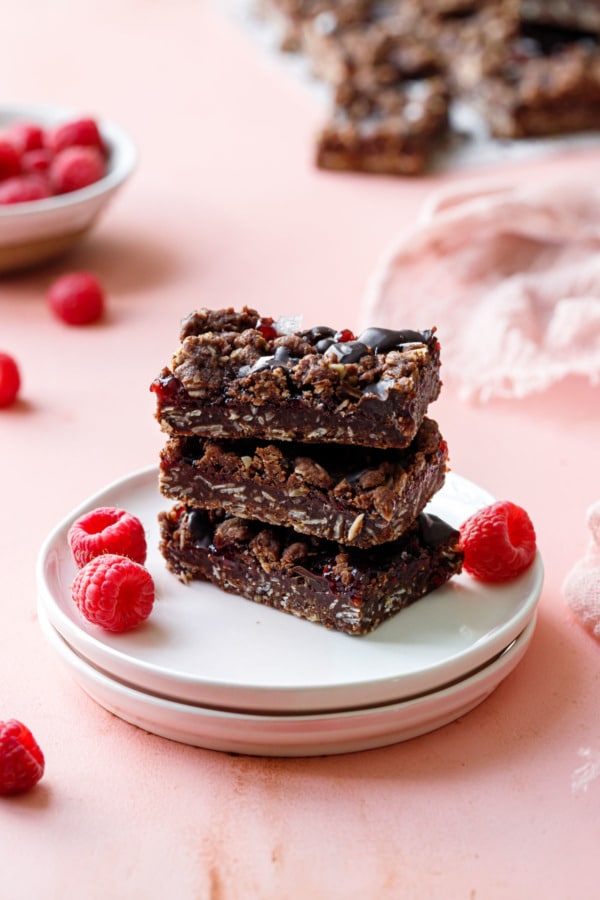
{"points": [[236, 374]]}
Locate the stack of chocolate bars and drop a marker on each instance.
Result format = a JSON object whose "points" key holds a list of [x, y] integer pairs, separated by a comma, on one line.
{"points": [[396, 68], [300, 463]]}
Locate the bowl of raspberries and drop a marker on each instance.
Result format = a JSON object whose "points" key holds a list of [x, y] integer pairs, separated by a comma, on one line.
{"points": [[58, 171]]}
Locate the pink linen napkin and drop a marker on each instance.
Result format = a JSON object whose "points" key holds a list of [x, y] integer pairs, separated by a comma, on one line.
{"points": [[510, 275], [581, 587]]}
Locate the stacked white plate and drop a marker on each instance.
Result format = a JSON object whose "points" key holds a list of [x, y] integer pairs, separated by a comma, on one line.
{"points": [[218, 671]]}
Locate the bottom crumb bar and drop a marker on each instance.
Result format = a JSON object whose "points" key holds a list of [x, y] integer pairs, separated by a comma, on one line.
{"points": [[349, 590]]}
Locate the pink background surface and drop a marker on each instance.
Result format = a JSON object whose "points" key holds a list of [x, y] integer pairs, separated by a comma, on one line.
{"points": [[225, 208]]}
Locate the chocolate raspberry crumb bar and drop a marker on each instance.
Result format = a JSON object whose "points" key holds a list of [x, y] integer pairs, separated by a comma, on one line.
{"points": [[345, 589], [353, 495], [390, 100], [547, 82], [387, 131], [236, 375]]}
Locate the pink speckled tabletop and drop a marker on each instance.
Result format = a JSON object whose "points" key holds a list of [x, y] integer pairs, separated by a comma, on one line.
{"points": [[225, 208]]}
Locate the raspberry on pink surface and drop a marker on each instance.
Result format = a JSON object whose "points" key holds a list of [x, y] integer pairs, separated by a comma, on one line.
{"points": [[21, 759], [498, 541], [10, 380], [107, 530], [114, 592], [77, 298], [76, 167]]}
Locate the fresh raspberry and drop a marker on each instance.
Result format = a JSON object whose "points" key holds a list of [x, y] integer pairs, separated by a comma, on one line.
{"points": [[25, 136], [24, 188], [77, 298], [21, 760], [76, 133], [498, 541], [344, 336], [36, 161], [10, 163], [107, 530], [76, 167], [114, 592], [266, 328], [10, 380]]}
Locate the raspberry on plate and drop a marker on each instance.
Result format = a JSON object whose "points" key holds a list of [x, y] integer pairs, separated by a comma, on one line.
{"points": [[114, 592], [21, 760], [107, 530], [10, 380], [498, 542], [77, 298]]}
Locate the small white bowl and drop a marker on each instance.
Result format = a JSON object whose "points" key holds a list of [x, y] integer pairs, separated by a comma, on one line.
{"points": [[40, 230]]}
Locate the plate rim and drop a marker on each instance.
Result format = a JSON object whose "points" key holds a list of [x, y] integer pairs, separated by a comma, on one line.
{"points": [[107, 656], [299, 740]]}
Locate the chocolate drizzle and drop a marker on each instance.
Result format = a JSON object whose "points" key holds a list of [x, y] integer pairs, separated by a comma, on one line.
{"points": [[322, 338], [347, 351], [315, 335], [382, 340], [344, 352], [434, 531], [281, 359]]}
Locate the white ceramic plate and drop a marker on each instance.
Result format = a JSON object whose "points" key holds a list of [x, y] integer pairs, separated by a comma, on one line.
{"points": [[285, 735], [203, 646]]}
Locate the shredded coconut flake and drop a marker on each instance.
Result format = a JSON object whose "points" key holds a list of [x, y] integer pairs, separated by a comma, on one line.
{"points": [[288, 324]]}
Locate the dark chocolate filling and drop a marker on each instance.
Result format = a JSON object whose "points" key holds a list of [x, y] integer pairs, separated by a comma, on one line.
{"points": [[432, 531]]}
